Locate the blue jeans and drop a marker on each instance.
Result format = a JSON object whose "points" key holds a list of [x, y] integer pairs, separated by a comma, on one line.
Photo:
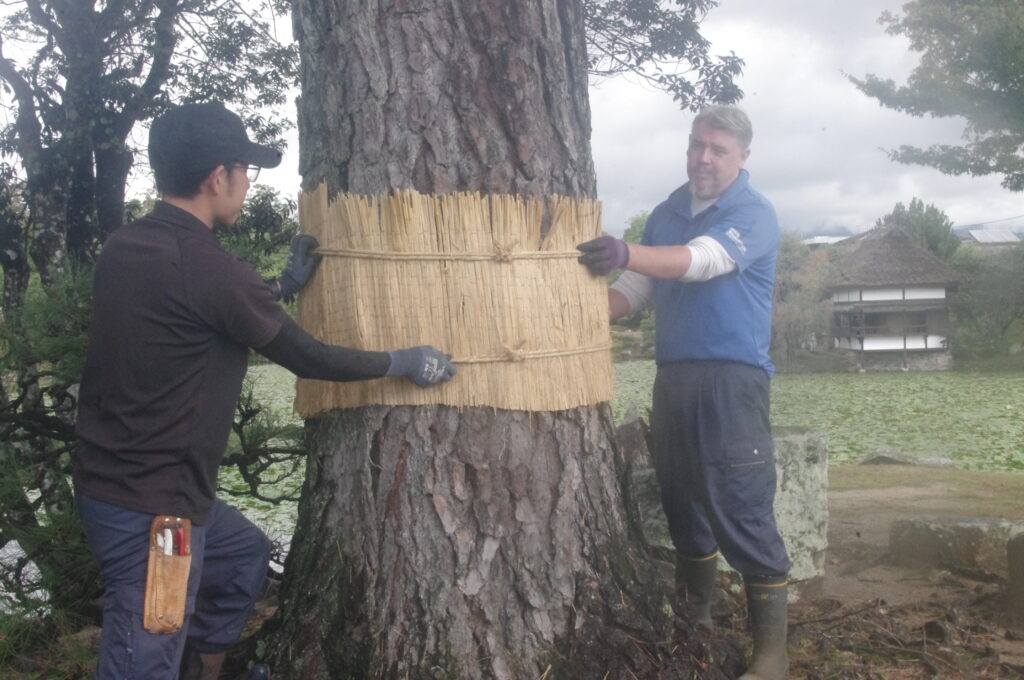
{"points": [[230, 556], [714, 458]]}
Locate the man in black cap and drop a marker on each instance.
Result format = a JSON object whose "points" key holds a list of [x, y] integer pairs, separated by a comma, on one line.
{"points": [[174, 316]]}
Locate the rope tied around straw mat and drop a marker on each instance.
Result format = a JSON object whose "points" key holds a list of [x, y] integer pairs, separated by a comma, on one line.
{"points": [[502, 253], [516, 354]]}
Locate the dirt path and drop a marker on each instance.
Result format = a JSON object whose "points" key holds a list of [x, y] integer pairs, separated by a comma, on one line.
{"points": [[878, 620]]}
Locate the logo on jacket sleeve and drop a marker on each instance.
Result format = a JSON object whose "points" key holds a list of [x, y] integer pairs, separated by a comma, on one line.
{"points": [[735, 237]]}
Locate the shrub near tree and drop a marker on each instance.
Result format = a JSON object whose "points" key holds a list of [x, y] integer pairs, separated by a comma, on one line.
{"points": [[41, 356], [633, 334], [988, 306], [801, 308]]}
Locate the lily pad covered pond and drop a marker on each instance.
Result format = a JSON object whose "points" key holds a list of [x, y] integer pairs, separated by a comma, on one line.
{"points": [[975, 420]]}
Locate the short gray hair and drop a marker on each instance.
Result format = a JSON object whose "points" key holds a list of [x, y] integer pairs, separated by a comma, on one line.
{"points": [[728, 118]]}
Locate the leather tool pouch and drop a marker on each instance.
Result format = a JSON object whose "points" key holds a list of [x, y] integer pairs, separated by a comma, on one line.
{"points": [[167, 574]]}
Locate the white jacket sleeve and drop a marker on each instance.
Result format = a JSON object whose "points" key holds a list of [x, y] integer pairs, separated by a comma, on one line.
{"points": [[708, 259], [636, 288]]}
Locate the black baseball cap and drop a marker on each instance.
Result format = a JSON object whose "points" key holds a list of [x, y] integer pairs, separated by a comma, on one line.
{"points": [[190, 140]]}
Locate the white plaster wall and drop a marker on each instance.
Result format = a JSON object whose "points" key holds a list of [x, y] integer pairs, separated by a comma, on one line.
{"points": [[878, 294], [926, 293]]}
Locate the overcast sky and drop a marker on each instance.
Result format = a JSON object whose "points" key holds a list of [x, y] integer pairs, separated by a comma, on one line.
{"points": [[817, 148]]}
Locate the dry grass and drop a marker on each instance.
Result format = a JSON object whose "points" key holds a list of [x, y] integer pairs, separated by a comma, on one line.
{"points": [[989, 494]]}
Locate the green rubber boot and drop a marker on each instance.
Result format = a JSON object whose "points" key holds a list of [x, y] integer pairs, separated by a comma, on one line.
{"points": [[767, 606], [695, 583]]}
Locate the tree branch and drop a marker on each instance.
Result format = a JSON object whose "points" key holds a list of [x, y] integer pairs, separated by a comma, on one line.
{"points": [[29, 138], [42, 19]]}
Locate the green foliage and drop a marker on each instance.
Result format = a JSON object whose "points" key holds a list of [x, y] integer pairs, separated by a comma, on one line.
{"points": [[635, 231], [34, 646], [633, 334], [263, 230], [16, 634], [972, 58], [134, 208], [42, 348], [660, 42], [51, 327], [13, 240], [928, 226], [266, 450], [988, 306], [801, 309]]}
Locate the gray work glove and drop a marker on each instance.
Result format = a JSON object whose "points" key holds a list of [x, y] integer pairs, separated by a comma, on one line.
{"points": [[424, 365], [603, 255], [299, 268]]}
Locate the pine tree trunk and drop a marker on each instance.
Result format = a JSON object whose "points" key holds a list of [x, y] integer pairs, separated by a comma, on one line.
{"points": [[434, 542], [443, 96]]}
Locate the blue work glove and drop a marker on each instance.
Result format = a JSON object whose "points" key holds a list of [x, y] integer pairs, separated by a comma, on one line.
{"points": [[424, 365], [299, 268], [603, 255]]}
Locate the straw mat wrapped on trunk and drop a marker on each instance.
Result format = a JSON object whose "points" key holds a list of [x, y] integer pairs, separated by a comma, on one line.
{"points": [[526, 325]]}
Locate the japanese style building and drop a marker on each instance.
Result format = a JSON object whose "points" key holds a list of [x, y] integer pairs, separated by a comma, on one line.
{"points": [[890, 303]]}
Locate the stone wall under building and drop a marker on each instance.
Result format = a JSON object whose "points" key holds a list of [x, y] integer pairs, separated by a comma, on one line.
{"points": [[898, 361]]}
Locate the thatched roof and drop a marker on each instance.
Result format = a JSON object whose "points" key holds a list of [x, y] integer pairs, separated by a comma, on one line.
{"points": [[887, 256]]}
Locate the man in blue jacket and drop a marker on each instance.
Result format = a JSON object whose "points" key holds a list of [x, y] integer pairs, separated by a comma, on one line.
{"points": [[174, 317], [707, 264]]}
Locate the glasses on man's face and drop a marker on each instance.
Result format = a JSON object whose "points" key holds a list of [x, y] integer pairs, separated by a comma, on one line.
{"points": [[251, 171]]}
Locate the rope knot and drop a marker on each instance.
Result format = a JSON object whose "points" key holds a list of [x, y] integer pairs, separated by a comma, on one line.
{"points": [[504, 253], [515, 354]]}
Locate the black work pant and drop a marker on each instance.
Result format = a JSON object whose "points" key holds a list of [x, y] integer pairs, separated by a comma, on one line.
{"points": [[715, 463]]}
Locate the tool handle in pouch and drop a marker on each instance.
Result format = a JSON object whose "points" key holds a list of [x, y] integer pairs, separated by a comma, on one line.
{"points": [[170, 557]]}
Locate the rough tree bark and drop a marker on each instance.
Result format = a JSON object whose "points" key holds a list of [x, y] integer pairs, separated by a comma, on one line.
{"points": [[434, 542]]}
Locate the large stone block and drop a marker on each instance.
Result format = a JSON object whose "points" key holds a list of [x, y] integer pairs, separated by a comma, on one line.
{"points": [[801, 503], [970, 543]]}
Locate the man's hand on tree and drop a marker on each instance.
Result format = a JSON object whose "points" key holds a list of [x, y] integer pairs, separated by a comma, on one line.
{"points": [[424, 365], [302, 262], [604, 255]]}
